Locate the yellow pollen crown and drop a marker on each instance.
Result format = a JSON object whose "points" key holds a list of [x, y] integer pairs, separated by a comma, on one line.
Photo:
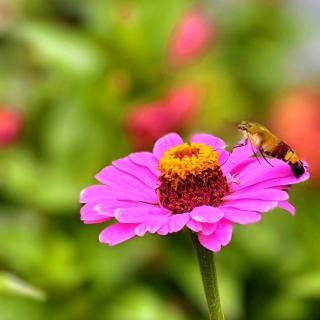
{"points": [[184, 160]]}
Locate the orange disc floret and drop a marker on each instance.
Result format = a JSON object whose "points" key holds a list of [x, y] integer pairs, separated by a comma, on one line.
{"points": [[185, 159]]}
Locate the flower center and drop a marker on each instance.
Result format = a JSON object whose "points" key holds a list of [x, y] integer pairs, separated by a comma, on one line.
{"points": [[190, 177]]}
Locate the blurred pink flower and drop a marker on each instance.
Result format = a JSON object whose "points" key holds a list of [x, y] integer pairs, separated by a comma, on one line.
{"points": [[199, 186], [7, 14], [10, 126], [296, 118], [191, 37], [174, 112]]}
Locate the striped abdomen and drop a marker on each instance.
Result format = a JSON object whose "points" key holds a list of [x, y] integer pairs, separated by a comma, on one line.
{"points": [[283, 152]]}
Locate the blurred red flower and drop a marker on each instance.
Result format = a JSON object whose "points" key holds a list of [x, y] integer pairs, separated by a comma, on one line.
{"points": [[148, 122], [10, 125], [296, 119], [191, 37]]}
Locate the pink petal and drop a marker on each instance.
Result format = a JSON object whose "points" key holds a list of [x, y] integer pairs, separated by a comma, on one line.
{"points": [[118, 181], [140, 172], [151, 226], [241, 216], [224, 232], [178, 221], [194, 225], [117, 233], [139, 214], [221, 237], [89, 216], [164, 230], [264, 194], [263, 175], [175, 223], [238, 168], [209, 140], [107, 207], [208, 228], [262, 171], [285, 205], [163, 144], [93, 193], [98, 193], [273, 183], [251, 205], [206, 214], [117, 178], [146, 159], [210, 242]]}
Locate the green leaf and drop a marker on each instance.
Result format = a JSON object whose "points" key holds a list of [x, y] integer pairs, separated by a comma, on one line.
{"points": [[64, 48], [306, 285], [141, 303], [11, 284]]}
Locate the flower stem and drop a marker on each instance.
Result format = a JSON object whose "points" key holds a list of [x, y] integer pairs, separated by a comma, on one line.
{"points": [[209, 279]]}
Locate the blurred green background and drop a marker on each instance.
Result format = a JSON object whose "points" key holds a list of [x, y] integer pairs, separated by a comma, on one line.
{"points": [[83, 82]]}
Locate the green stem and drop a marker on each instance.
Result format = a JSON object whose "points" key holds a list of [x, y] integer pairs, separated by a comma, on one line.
{"points": [[209, 279]]}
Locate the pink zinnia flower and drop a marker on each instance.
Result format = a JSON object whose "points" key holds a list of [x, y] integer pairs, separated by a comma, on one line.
{"points": [[173, 112], [10, 126], [191, 37], [199, 186]]}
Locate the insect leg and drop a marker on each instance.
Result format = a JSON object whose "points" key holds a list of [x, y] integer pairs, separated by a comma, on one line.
{"points": [[241, 144], [226, 159], [264, 157], [255, 154]]}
